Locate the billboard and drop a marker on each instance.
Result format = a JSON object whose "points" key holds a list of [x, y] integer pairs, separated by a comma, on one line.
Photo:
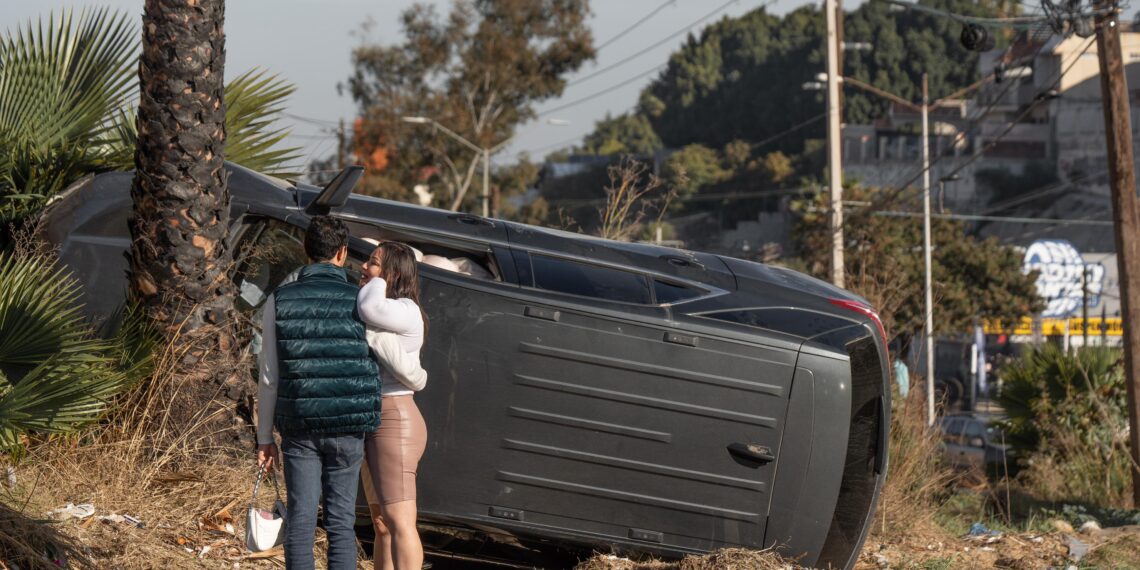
{"points": [[1065, 279]]}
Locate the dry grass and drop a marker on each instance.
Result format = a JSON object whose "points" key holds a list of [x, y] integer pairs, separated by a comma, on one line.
{"points": [[726, 559], [916, 477], [161, 458]]}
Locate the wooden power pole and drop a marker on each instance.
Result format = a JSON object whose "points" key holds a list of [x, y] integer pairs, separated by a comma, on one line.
{"points": [[1118, 134]]}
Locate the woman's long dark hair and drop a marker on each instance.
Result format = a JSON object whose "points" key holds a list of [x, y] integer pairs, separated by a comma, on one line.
{"points": [[399, 270]]}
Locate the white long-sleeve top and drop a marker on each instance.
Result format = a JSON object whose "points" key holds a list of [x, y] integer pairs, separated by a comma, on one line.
{"points": [[386, 346], [400, 316]]}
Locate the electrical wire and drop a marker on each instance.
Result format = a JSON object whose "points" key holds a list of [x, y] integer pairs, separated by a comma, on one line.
{"points": [[973, 124], [312, 121], [635, 25], [1029, 108], [659, 43], [593, 96]]}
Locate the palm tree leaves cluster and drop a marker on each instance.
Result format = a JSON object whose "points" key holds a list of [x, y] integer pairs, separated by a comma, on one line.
{"points": [[55, 374], [67, 83], [68, 86]]}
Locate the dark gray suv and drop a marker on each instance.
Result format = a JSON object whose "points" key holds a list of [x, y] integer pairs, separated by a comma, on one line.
{"points": [[588, 393]]}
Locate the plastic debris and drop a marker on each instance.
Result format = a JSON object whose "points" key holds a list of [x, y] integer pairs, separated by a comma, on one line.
{"points": [[1090, 527], [118, 519], [1077, 549], [72, 511], [882, 561], [979, 529]]}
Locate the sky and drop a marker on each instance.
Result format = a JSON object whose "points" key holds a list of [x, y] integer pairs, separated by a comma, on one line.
{"points": [[310, 43]]}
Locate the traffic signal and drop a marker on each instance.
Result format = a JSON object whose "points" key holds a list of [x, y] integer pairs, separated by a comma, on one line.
{"points": [[976, 38]]}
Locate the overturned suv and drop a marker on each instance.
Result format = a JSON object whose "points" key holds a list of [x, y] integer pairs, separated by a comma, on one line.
{"points": [[582, 392]]}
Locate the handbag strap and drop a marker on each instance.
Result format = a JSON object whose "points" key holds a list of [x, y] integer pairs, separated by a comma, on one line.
{"points": [[261, 471]]}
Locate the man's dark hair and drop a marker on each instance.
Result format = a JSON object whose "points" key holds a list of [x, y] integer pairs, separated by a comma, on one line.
{"points": [[325, 236]]}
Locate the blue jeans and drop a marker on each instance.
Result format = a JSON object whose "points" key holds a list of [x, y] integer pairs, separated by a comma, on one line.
{"points": [[316, 465]]}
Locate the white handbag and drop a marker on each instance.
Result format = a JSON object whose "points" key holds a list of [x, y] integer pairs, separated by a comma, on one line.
{"points": [[265, 529]]}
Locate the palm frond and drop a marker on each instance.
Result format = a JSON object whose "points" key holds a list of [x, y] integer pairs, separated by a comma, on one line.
{"points": [[60, 79], [54, 374], [254, 103], [63, 77], [39, 316], [59, 396]]}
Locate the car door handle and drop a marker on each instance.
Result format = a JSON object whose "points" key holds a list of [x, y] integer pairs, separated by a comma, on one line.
{"points": [[472, 220], [752, 452]]}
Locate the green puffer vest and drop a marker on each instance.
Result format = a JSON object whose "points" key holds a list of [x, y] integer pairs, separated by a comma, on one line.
{"points": [[328, 382]]}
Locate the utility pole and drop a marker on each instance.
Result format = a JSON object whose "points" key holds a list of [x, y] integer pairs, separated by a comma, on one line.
{"points": [[929, 329], [834, 142], [341, 146], [1084, 305], [1118, 135], [486, 183]]}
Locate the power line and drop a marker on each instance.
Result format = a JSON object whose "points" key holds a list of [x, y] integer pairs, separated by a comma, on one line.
{"points": [[1029, 108], [971, 123], [791, 130], [976, 218], [593, 96], [659, 43], [635, 25], [762, 193], [312, 121]]}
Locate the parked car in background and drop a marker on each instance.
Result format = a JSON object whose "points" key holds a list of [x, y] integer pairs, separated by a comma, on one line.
{"points": [[583, 392], [974, 440]]}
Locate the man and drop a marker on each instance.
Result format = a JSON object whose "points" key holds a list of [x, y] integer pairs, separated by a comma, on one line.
{"points": [[319, 385]]}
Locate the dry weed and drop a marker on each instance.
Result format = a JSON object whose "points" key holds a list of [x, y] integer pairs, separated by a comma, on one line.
{"points": [[161, 458], [725, 559], [916, 476]]}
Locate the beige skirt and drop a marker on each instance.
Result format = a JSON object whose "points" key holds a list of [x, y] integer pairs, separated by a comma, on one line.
{"points": [[392, 452]]}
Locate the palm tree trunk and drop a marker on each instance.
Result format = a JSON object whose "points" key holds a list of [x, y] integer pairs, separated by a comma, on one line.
{"points": [[179, 254]]}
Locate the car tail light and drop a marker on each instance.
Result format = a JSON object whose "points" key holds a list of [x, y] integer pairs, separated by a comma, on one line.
{"points": [[865, 310]]}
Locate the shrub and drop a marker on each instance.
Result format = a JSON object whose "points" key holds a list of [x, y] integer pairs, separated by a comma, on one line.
{"points": [[1067, 414]]}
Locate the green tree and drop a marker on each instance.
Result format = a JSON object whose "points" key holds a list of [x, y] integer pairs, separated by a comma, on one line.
{"points": [[628, 133], [972, 279], [180, 221], [741, 78], [478, 72], [691, 168]]}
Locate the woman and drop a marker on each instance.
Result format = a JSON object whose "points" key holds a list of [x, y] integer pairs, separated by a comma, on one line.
{"points": [[389, 302]]}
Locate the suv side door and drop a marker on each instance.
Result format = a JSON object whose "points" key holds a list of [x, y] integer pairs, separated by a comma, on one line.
{"points": [[616, 424]]}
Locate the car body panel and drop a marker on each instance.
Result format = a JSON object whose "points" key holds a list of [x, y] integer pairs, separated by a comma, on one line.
{"points": [[725, 403]]}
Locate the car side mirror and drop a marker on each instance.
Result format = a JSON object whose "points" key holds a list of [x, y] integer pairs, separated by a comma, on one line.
{"points": [[977, 442]]}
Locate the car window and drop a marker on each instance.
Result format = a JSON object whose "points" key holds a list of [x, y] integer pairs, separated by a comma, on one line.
{"points": [[588, 280], [974, 429], [797, 322], [470, 259], [951, 429], [269, 254], [669, 292]]}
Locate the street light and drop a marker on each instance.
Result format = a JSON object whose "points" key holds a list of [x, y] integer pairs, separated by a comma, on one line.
{"points": [[485, 151], [925, 108]]}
